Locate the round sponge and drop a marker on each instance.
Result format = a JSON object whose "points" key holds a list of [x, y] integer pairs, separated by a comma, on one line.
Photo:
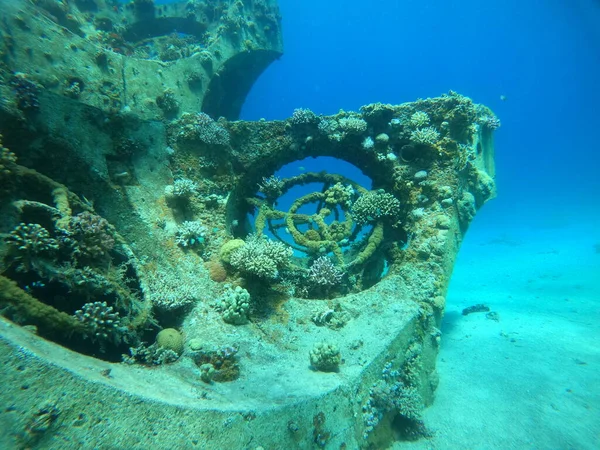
{"points": [[170, 339]]}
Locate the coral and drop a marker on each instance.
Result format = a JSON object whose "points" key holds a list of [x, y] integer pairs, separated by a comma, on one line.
{"points": [[88, 281], [377, 112], [167, 102], [339, 194], [216, 271], [170, 339], [466, 208], [489, 121], [261, 257], [331, 128], [375, 205], [395, 123], [207, 372], [219, 365], [191, 234], [272, 187], [303, 116], [152, 355], [425, 136], [93, 234], [330, 229], [74, 88], [337, 129], [76, 279], [353, 125], [368, 143], [171, 289], [324, 273], [325, 357], [100, 322], [334, 319], [27, 242], [421, 175], [203, 128], [419, 119], [392, 395], [228, 248], [235, 306], [382, 139], [181, 188]]}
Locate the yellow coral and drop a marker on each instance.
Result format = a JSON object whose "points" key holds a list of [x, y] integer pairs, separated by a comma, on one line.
{"points": [[228, 248]]}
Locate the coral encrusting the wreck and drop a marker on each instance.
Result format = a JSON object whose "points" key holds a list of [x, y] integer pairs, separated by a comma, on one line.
{"points": [[341, 237], [250, 270], [71, 272]]}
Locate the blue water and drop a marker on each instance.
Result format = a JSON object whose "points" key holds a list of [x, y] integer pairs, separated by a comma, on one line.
{"points": [[529, 380], [542, 55]]}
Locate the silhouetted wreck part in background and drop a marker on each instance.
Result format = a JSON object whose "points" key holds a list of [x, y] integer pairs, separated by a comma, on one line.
{"points": [[125, 210]]}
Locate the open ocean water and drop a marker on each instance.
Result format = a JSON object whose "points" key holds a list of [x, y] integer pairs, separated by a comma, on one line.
{"points": [[530, 378]]}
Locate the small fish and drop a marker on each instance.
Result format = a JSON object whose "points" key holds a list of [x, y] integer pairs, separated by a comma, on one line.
{"points": [[503, 98], [301, 168], [90, 203]]}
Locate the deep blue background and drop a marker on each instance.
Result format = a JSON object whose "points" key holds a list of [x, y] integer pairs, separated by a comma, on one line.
{"points": [[543, 55]]}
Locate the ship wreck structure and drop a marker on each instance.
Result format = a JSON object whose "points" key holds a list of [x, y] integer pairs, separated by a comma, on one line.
{"points": [[164, 283]]}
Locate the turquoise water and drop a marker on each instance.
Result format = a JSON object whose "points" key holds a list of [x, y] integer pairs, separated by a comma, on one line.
{"points": [[528, 380], [541, 57]]}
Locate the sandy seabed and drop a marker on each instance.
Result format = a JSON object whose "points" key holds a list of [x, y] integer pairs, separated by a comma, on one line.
{"points": [[530, 380]]}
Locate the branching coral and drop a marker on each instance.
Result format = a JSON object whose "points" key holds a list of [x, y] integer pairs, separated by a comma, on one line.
{"points": [[425, 136], [100, 321], [27, 242], [181, 188], [302, 116], [191, 234], [169, 289], [151, 355], [376, 205], [353, 125], [261, 257], [203, 128], [338, 129], [323, 273], [93, 234], [489, 121], [419, 119]]}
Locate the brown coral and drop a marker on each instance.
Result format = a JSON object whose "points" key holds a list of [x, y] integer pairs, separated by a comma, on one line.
{"points": [[216, 271]]}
